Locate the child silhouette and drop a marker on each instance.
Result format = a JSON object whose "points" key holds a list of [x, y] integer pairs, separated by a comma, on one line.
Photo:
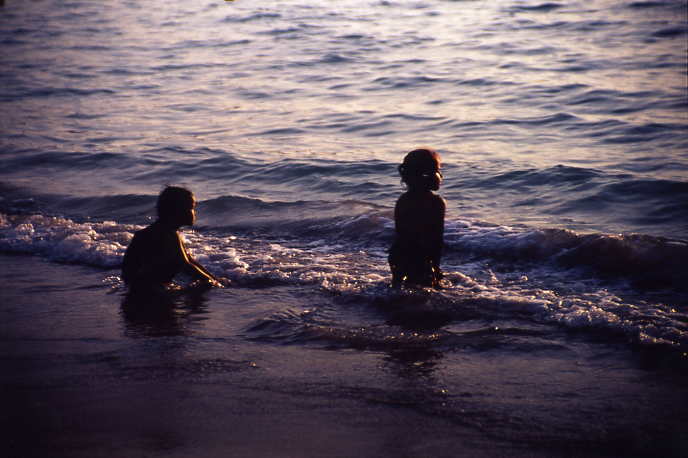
{"points": [[415, 255], [157, 254]]}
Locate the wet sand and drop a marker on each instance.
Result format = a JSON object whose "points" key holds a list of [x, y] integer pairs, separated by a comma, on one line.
{"points": [[98, 383]]}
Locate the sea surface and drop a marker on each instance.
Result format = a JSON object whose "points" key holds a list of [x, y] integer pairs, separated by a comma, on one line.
{"points": [[563, 131]]}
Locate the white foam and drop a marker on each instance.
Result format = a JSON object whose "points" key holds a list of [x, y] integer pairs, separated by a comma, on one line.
{"points": [[577, 303], [98, 244]]}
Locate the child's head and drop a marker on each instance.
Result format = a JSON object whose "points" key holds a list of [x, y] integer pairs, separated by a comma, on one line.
{"points": [[421, 170], [177, 205]]}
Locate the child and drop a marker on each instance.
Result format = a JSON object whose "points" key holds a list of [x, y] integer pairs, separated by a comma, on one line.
{"points": [[415, 255], [157, 254]]}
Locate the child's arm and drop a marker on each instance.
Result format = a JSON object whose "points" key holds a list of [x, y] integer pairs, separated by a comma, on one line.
{"points": [[194, 268], [436, 234], [198, 265]]}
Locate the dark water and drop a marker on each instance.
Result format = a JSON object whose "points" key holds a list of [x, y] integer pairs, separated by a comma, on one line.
{"points": [[562, 127]]}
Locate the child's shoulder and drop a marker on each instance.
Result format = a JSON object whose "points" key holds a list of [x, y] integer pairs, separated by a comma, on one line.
{"points": [[439, 200], [154, 231], [425, 196], [147, 231], [417, 204]]}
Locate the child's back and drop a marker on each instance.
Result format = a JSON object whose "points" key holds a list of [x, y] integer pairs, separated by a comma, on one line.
{"points": [[419, 222], [152, 257], [156, 254]]}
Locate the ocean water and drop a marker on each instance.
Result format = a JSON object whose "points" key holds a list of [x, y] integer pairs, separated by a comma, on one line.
{"points": [[563, 129]]}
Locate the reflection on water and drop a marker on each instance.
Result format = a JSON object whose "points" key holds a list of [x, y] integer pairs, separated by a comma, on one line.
{"points": [[157, 314], [414, 310], [413, 363]]}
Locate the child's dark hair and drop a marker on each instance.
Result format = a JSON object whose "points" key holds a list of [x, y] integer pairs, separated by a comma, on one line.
{"points": [[171, 198], [416, 163]]}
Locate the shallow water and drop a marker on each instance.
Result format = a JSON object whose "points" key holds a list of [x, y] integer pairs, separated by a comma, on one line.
{"points": [[204, 374], [562, 128]]}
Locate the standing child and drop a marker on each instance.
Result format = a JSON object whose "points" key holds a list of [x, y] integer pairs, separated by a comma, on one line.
{"points": [[415, 255], [157, 253]]}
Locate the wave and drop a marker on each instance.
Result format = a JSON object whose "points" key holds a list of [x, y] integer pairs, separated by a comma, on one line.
{"points": [[381, 319], [252, 17], [491, 272], [651, 262], [59, 239], [643, 5], [22, 93], [670, 32], [351, 225], [540, 8]]}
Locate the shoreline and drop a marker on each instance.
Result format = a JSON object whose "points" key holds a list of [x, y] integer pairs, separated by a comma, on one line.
{"points": [[104, 387], [60, 395]]}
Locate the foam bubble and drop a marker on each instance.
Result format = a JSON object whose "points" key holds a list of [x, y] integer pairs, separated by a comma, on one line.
{"points": [[544, 292], [97, 244]]}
